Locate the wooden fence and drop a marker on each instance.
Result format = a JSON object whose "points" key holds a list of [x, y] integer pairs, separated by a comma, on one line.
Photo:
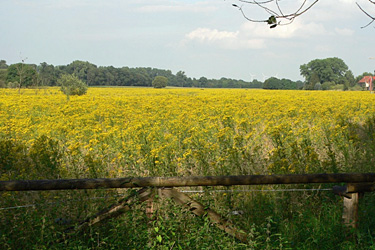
{"points": [[357, 183], [134, 182]]}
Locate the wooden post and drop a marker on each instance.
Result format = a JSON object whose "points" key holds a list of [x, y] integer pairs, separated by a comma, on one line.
{"points": [[150, 207], [350, 210]]}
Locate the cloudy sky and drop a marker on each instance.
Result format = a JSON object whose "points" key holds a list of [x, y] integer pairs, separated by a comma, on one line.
{"points": [[207, 38]]}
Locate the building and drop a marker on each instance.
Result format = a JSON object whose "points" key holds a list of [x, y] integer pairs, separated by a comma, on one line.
{"points": [[368, 82]]}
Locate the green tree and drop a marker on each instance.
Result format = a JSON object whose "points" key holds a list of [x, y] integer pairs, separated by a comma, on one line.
{"points": [[327, 70], [314, 79], [275, 83], [327, 85], [350, 78], [72, 85], [182, 79], [83, 70], [23, 74], [160, 82], [3, 64], [202, 82], [47, 74], [3, 77]]}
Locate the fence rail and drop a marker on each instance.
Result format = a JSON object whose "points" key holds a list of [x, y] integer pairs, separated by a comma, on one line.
{"points": [[134, 182]]}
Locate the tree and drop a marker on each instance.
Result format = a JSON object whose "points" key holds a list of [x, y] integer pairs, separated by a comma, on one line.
{"points": [[181, 79], [72, 85], [327, 70], [314, 79], [327, 85], [21, 73], [3, 77], [202, 82], [3, 64], [47, 74], [160, 82], [83, 70], [350, 78]]}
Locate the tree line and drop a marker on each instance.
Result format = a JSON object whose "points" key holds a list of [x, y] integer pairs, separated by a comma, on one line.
{"points": [[323, 74], [47, 75]]}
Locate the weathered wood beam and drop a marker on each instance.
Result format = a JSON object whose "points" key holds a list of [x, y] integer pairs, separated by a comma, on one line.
{"points": [[114, 210], [198, 209], [133, 182], [353, 188]]}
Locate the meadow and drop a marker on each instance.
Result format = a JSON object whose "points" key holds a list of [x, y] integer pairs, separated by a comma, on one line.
{"points": [[121, 132]]}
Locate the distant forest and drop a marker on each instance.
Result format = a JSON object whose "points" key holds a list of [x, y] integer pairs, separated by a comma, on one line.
{"points": [[47, 74], [319, 74]]}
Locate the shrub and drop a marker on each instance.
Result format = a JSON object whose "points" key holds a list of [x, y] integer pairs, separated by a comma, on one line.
{"points": [[72, 85], [160, 82], [318, 86], [327, 85]]}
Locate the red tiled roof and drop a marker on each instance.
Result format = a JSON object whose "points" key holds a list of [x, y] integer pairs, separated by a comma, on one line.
{"points": [[367, 79]]}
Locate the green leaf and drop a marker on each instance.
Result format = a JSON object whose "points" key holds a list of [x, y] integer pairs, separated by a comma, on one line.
{"points": [[159, 238]]}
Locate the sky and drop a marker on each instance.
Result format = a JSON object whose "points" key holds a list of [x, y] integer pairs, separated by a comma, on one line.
{"points": [[207, 38]]}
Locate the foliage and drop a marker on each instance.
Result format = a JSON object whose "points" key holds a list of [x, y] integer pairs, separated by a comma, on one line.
{"points": [[160, 82], [3, 76], [71, 85], [328, 85], [47, 74], [275, 83], [324, 70], [93, 75], [24, 74], [3, 64]]}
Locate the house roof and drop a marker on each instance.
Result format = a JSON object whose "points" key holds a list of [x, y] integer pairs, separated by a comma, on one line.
{"points": [[367, 79]]}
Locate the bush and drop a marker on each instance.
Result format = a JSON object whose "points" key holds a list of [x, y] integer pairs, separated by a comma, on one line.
{"points": [[328, 85], [338, 87], [160, 82], [318, 86], [72, 85]]}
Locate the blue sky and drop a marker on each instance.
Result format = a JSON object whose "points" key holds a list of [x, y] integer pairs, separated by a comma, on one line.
{"points": [[203, 38]]}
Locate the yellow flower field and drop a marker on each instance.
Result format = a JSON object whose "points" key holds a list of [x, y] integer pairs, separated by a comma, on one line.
{"points": [[113, 132]]}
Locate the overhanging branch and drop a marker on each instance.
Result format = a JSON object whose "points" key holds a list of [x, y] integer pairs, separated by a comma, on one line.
{"points": [[277, 15], [367, 14]]}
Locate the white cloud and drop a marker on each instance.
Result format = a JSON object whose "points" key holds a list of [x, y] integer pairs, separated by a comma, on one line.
{"points": [[344, 31], [177, 6], [223, 39], [295, 29], [252, 35], [208, 35]]}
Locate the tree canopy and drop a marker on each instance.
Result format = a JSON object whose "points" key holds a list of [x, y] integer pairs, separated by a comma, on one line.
{"points": [[160, 82], [275, 83], [327, 73], [324, 70], [23, 74]]}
